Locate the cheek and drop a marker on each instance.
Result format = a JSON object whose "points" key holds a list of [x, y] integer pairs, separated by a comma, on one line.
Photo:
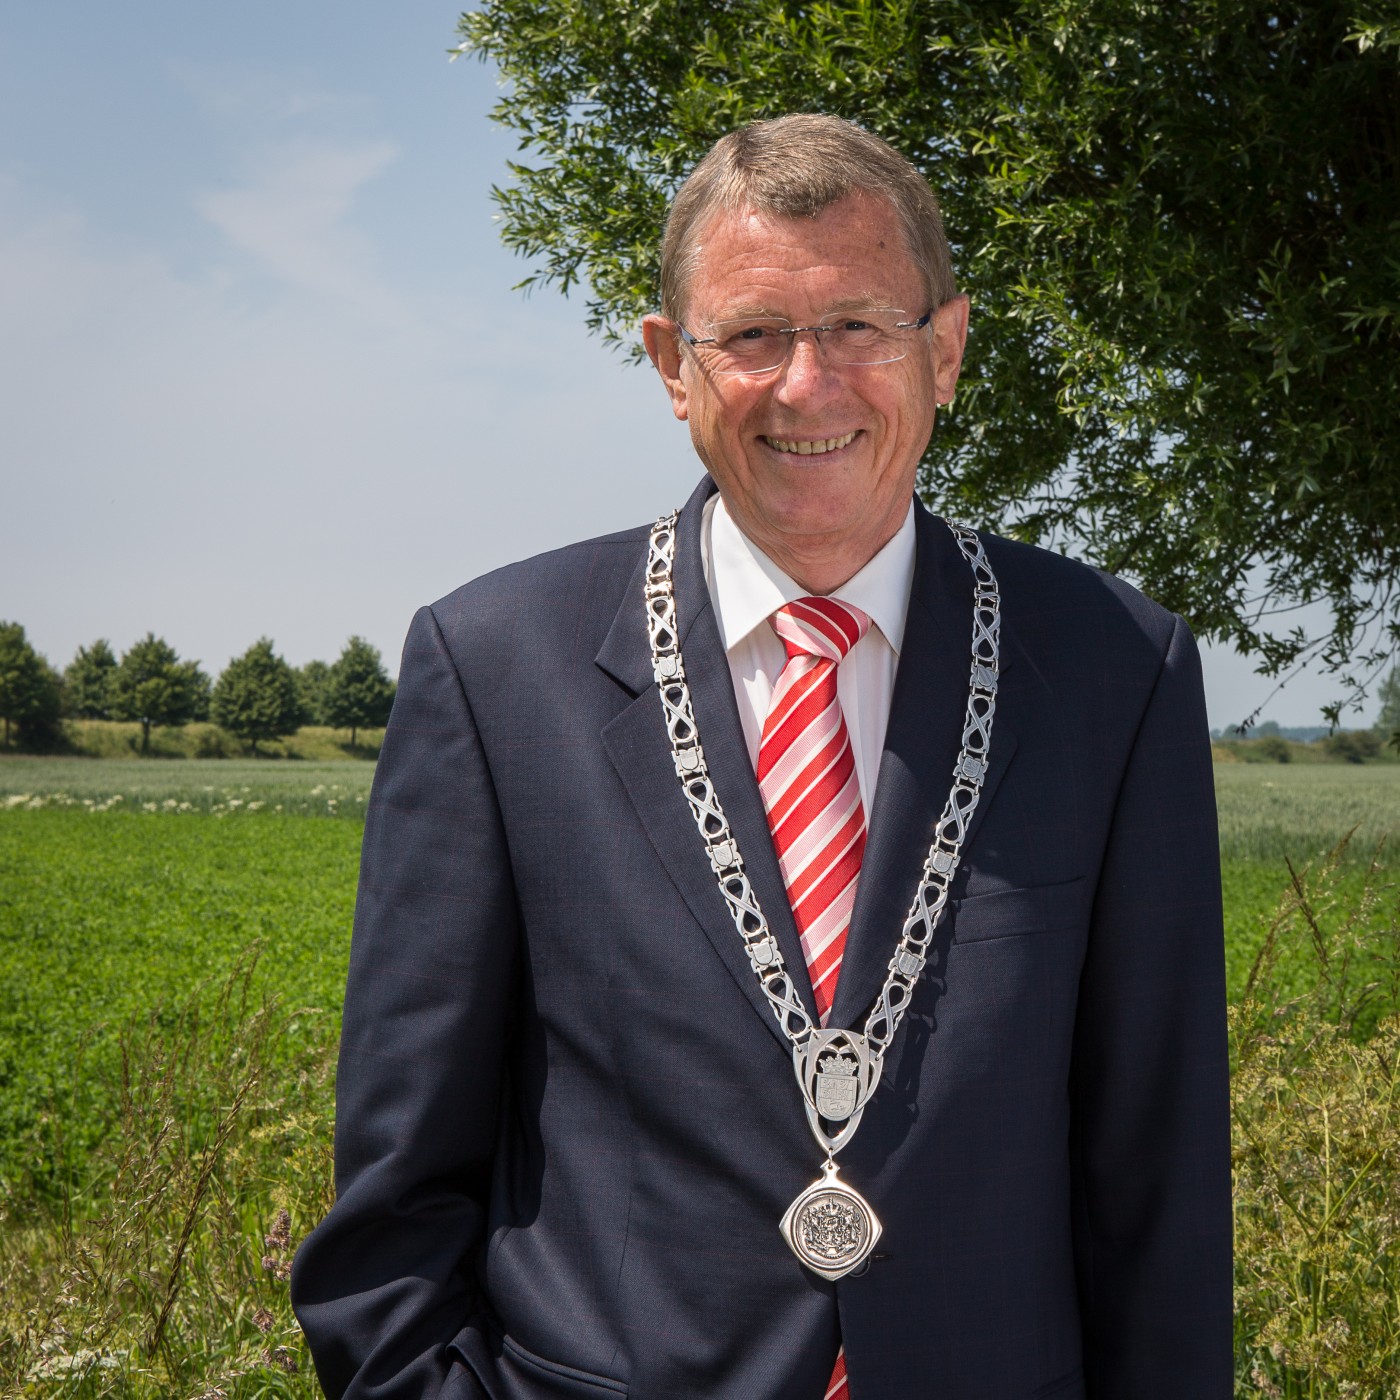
{"points": [[719, 415], [910, 414]]}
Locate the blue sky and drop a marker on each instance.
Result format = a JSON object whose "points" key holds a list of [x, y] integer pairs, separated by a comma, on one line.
{"points": [[261, 367]]}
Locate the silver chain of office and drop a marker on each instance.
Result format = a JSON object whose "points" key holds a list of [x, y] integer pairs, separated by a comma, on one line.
{"points": [[931, 897], [830, 1227]]}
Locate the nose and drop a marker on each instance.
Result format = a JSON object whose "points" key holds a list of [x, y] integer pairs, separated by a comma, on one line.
{"points": [[807, 374]]}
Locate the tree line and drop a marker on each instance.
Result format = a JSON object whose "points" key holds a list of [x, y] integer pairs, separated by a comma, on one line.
{"points": [[257, 697]]}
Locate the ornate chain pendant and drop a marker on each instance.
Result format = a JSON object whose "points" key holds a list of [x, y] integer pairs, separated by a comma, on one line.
{"points": [[831, 1227], [837, 1072]]}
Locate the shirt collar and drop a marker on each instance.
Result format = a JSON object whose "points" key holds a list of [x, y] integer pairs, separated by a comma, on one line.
{"points": [[747, 587]]}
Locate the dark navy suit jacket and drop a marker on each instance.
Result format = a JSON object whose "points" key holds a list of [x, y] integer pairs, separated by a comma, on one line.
{"points": [[567, 1120]]}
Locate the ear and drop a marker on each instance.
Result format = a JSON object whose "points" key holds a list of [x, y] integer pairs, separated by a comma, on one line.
{"points": [[662, 339], [949, 341]]}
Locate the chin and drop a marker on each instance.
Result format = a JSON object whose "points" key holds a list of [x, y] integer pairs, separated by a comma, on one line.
{"points": [[801, 521]]}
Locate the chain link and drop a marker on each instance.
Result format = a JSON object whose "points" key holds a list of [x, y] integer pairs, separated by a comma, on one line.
{"points": [[950, 831]]}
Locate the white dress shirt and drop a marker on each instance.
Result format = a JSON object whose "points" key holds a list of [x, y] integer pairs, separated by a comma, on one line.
{"points": [[747, 587]]}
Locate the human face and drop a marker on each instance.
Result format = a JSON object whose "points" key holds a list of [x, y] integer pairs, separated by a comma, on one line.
{"points": [[815, 460]]}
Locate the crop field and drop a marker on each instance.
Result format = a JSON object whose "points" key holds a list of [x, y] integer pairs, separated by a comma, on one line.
{"points": [[1272, 811], [159, 1082], [222, 787]]}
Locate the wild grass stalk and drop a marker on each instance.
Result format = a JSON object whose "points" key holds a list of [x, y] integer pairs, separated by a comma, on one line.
{"points": [[1316, 1097], [164, 1272]]}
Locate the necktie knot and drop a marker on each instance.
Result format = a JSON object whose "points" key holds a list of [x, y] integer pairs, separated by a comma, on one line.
{"points": [[821, 627]]}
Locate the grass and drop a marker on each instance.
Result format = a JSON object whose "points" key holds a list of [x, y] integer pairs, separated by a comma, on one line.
{"points": [[164, 1271], [1315, 1094], [165, 1095], [170, 987], [105, 917]]}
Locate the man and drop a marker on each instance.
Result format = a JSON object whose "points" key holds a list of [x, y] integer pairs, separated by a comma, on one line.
{"points": [[658, 815]]}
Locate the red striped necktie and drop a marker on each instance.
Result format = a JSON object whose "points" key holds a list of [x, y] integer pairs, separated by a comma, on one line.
{"points": [[807, 775]]}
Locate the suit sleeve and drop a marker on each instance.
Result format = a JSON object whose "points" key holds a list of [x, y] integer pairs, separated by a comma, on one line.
{"points": [[387, 1281], [1150, 1135]]}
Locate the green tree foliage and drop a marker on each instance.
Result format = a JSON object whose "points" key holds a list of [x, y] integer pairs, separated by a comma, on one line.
{"points": [[311, 689], [358, 692], [30, 691], [153, 686], [87, 681], [256, 696], [1177, 225]]}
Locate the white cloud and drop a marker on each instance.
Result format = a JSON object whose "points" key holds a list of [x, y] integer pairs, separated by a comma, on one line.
{"points": [[248, 100], [292, 216]]}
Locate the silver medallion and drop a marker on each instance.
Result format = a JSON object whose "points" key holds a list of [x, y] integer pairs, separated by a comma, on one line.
{"points": [[830, 1227]]}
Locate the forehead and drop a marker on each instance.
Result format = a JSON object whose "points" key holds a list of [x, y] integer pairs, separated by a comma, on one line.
{"points": [[852, 253]]}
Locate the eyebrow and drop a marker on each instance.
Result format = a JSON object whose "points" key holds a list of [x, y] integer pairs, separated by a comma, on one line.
{"points": [[760, 311]]}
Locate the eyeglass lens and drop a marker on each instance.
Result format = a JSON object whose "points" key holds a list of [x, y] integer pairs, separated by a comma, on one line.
{"points": [[752, 345]]}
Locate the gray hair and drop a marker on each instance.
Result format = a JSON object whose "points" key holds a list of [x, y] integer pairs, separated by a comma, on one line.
{"points": [[794, 167]]}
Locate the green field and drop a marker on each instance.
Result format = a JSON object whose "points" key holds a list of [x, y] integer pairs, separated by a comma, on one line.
{"points": [[1269, 812], [134, 1053], [229, 787], [104, 916]]}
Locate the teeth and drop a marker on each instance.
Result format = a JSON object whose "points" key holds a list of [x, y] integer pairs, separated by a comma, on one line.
{"points": [[809, 447]]}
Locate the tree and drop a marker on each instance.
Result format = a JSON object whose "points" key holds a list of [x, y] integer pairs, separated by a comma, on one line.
{"points": [[1176, 223], [256, 696], [358, 691], [29, 690], [1388, 723], [311, 688], [154, 687], [88, 680]]}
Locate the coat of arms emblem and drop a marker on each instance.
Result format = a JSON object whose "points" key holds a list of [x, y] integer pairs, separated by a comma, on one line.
{"points": [[837, 1087], [838, 1074]]}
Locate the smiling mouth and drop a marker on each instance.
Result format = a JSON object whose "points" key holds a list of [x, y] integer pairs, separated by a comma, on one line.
{"points": [[809, 447]]}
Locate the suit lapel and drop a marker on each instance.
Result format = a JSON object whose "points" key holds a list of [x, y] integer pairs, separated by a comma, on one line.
{"points": [[922, 741], [636, 742]]}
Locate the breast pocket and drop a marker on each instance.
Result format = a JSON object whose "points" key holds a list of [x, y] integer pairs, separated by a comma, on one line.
{"points": [[1013, 913], [505, 1370], [554, 1378], [1070, 1387]]}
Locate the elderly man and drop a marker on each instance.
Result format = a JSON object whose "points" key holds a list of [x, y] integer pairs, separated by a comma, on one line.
{"points": [[788, 958]]}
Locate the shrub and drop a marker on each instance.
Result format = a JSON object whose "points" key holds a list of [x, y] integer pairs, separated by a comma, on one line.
{"points": [[1354, 745]]}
